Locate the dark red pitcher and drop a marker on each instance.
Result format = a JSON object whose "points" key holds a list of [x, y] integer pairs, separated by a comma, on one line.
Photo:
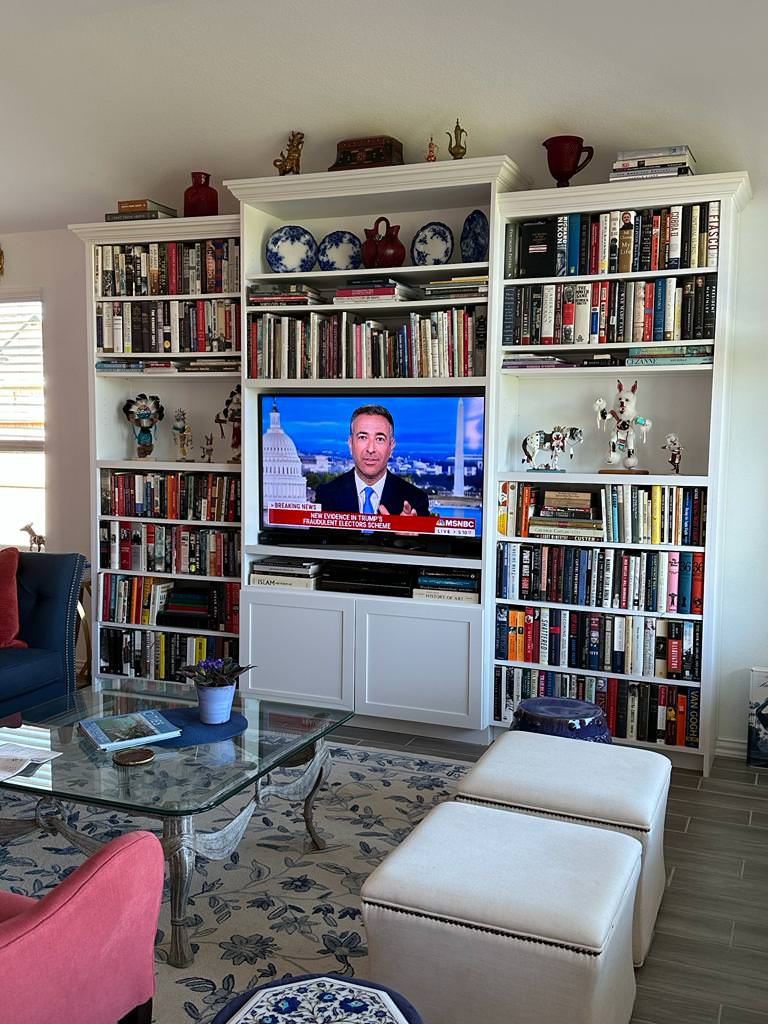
{"points": [[382, 250]]}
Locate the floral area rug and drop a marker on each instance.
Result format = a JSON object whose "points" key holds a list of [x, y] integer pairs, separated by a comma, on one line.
{"points": [[276, 907]]}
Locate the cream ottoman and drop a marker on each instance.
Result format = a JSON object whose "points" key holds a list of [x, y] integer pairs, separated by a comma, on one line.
{"points": [[488, 916], [619, 788]]}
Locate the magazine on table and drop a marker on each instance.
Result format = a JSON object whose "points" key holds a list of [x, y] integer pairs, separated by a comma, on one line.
{"points": [[16, 757], [113, 732]]}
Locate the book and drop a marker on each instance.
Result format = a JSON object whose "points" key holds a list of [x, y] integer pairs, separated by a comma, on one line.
{"points": [[285, 565], [436, 594], [538, 248], [263, 579], [137, 215], [681, 149], [113, 732], [18, 758], [143, 206]]}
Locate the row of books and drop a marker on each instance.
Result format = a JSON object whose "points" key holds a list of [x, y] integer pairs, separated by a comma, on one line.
{"points": [[444, 343], [201, 497], [661, 713], [635, 645], [366, 290], [649, 581], [168, 325], [167, 268], [171, 367], [615, 513], [677, 237], [665, 162], [157, 547], [447, 584], [138, 653], [611, 312], [186, 604]]}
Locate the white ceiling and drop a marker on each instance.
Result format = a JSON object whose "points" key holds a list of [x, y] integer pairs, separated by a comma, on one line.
{"points": [[109, 99]]}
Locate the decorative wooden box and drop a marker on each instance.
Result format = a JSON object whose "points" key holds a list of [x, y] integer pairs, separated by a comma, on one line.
{"points": [[377, 151]]}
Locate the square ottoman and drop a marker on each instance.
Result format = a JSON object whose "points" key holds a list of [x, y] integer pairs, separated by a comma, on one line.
{"points": [[607, 786], [487, 915]]}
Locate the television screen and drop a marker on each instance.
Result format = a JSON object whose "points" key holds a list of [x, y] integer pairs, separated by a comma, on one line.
{"points": [[403, 469]]}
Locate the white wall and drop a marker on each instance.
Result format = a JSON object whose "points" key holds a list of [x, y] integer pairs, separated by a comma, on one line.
{"points": [[54, 262]]}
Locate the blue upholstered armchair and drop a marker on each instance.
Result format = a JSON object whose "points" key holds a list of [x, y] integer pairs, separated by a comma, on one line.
{"points": [[48, 588]]}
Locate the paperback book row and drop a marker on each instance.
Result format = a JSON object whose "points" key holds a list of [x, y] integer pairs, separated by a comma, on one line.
{"points": [[444, 343], [662, 713], [157, 547], [167, 268], [614, 513], [678, 237], [169, 325], [137, 653], [646, 581], [631, 645], [662, 162], [199, 497], [148, 601], [614, 313]]}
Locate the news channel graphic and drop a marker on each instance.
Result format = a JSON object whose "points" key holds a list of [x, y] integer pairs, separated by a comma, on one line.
{"points": [[439, 448]]}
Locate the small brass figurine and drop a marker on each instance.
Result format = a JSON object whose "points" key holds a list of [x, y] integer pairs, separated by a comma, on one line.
{"points": [[432, 151], [456, 147], [289, 160]]}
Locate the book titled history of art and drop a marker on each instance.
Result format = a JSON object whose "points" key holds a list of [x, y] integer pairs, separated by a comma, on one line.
{"points": [[113, 732]]}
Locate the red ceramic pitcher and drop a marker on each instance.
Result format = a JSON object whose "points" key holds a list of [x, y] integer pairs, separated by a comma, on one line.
{"points": [[382, 250], [563, 155]]}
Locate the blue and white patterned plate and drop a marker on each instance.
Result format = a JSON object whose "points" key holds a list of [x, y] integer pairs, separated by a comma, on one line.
{"points": [[432, 244], [474, 238], [291, 248], [340, 250]]}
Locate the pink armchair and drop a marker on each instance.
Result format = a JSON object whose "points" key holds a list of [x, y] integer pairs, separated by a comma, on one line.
{"points": [[85, 952]]}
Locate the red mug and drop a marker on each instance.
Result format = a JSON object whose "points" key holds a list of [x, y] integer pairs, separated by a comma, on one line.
{"points": [[563, 155]]}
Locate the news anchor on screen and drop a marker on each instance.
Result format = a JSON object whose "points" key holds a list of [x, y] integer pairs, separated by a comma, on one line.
{"points": [[370, 488]]}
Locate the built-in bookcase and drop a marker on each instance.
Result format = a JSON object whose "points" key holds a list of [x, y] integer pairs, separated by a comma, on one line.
{"points": [[165, 319], [607, 583]]}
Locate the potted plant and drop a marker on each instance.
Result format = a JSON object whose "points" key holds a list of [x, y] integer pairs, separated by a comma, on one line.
{"points": [[216, 682]]}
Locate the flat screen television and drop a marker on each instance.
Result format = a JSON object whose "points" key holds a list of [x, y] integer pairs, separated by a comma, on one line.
{"points": [[396, 470]]}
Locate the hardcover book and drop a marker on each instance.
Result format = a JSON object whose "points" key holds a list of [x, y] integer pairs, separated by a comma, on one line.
{"points": [[114, 732]]}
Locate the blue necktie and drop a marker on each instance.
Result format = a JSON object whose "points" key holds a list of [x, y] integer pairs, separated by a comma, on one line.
{"points": [[367, 503]]}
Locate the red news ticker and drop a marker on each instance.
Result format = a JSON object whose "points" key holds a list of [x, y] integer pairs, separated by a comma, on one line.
{"points": [[357, 521]]}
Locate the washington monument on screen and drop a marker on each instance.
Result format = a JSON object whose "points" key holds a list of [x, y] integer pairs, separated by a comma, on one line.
{"points": [[458, 459]]}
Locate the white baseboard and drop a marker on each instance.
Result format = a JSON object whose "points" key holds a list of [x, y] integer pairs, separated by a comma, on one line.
{"points": [[731, 748]]}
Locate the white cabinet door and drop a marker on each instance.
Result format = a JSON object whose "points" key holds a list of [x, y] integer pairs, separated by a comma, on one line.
{"points": [[419, 661], [301, 644]]}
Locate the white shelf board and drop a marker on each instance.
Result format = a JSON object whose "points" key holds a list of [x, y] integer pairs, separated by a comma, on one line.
{"points": [[432, 272], [690, 684], [201, 375], [187, 297], [640, 479], [355, 554], [634, 275], [399, 306], [625, 741], [218, 523], [148, 466], [170, 575], [589, 371], [368, 383], [559, 606], [597, 544], [165, 229], [164, 629]]}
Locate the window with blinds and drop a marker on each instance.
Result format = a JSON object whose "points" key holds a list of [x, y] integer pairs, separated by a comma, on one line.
{"points": [[22, 421]]}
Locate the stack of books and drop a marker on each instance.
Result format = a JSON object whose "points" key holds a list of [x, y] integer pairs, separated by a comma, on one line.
{"points": [[207, 365], [661, 162], [452, 584], [283, 295], [568, 515], [373, 289], [140, 209], [457, 288], [670, 355], [522, 360], [281, 571]]}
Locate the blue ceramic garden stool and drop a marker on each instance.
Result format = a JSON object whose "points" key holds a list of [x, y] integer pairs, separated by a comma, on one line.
{"points": [[319, 999], [562, 716]]}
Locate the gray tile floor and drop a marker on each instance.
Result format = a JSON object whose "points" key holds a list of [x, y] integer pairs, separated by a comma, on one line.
{"points": [[708, 963]]}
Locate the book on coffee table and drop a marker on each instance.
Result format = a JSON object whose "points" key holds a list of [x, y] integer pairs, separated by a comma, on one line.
{"points": [[113, 732]]}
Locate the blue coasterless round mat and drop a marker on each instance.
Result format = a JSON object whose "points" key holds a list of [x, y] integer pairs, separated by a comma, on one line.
{"points": [[195, 732]]}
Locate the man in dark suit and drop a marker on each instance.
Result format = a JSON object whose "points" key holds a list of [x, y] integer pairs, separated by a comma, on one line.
{"points": [[370, 488]]}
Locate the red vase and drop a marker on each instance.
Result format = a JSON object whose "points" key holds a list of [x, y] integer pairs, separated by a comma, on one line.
{"points": [[563, 155], [382, 250], [201, 199]]}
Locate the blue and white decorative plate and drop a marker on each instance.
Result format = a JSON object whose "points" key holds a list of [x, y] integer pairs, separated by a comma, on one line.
{"points": [[474, 238], [432, 244], [340, 250], [291, 248]]}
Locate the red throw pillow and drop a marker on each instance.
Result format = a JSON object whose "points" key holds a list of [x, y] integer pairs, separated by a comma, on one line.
{"points": [[9, 599]]}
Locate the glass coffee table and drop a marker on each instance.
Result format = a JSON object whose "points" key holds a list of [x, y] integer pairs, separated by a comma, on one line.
{"points": [[179, 783]]}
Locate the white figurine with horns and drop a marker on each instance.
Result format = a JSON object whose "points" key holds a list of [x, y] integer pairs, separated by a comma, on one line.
{"points": [[625, 420]]}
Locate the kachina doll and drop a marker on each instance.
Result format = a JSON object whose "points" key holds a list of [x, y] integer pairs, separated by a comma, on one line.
{"points": [[232, 414], [144, 412], [625, 419]]}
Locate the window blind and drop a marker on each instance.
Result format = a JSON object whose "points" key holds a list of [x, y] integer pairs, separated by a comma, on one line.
{"points": [[22, 405]]}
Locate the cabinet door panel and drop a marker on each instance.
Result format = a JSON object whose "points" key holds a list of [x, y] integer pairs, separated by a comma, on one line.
{"points": [[301, 645], [419, 662]]}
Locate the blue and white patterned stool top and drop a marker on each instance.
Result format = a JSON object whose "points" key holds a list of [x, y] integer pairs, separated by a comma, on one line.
{"points": [[319, 1001]]}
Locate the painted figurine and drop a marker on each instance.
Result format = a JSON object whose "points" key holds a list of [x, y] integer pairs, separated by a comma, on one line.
{"points": [[289, 161], [206, 450], [432, 151], [36, 540], [144, 412], [456, 147], [182, 435], [675, 449], [625, 420], [232, 414], [556, 441]]}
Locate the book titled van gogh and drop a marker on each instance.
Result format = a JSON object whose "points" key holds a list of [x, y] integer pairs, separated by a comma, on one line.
{"points": [[113, 732]]}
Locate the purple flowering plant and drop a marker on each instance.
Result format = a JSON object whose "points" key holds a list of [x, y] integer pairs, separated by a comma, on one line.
{"points": [[215, 671]]}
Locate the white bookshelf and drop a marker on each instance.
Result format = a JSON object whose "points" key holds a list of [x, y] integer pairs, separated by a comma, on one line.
{"points": [[689, 400]]}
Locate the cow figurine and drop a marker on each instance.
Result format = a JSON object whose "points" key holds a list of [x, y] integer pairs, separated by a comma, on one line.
{"points": [[555, 442], [625, 419]]}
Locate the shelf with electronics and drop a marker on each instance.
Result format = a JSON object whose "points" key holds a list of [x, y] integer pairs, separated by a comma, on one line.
{"points": [[365, 642], [164, 322], [607, 574]]}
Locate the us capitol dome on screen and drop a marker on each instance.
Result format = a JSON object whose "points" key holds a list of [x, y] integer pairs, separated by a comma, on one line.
{"points": [[283, 480]]}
